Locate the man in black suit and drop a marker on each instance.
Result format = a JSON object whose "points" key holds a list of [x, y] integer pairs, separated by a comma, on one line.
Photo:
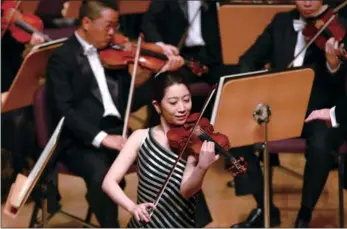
{"points": [[93, 101], [337, 117], [165, 23], [277, 45]]}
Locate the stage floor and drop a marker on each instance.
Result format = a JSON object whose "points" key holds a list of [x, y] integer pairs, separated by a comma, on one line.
{"points": [[225, 207]]}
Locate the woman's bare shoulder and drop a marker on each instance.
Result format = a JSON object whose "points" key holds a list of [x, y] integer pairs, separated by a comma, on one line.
{"points": [[138, 134]]}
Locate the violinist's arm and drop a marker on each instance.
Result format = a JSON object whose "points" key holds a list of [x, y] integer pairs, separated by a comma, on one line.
{"points": [[196, 169], [332, 51], [192, 178], [259, 54], [119, 168], [149, 23]]}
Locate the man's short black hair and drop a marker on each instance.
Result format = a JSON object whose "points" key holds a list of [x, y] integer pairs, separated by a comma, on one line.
{"points": [[93, 8]]}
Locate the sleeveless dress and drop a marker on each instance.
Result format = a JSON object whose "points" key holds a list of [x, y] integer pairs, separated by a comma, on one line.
{"points": [[154, 163]]}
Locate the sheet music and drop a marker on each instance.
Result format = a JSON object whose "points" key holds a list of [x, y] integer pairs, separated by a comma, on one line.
{"points": [[220, 88], [39, 166], [49, 43]]}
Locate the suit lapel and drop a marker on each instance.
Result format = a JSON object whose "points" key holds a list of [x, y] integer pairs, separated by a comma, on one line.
{"points": [[115, 89], [290, 39], [122, 97], [182, 7], [86, 70]]}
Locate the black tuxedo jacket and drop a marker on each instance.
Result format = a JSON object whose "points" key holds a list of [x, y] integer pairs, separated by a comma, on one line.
{"points": [[73, 92], [341, 115], [166, 21], [276, 46]]}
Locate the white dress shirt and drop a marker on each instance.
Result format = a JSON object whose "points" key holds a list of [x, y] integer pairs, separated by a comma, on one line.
{"points": [[194, 36], [99, 73], [333, 118]]}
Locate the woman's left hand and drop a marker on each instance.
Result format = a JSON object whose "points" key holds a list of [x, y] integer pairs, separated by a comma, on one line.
{"points": [[207, 155]]}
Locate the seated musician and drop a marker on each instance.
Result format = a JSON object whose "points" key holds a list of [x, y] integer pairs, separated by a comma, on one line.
{"points": [[337, 117], [277, 45], [155, 159], [165, 23], [93, 101]]}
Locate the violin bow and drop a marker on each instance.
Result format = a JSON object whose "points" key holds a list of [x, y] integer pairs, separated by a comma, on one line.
{"points": [[18, 3], [162, 189], [320, 31], [132, 88]]}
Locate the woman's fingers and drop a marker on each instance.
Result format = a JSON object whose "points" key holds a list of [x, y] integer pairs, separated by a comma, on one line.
{"points": [[137, 217]]}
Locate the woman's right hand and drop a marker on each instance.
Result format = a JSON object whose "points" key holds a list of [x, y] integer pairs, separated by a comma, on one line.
{"points": [[140, 212]]}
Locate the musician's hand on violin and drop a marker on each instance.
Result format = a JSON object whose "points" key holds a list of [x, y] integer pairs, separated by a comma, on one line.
{"points": [[140, 212], [174, 63], [332, 52], [36, 39], [127, 46], [207, 155], [65, 8], [169, 50], [115, 142]]}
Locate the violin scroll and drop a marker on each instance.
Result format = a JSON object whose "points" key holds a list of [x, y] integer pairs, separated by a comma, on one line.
{"points": [[197, 68]]}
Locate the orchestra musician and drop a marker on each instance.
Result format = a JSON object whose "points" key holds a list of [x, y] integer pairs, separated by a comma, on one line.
{"points": [[93, 100], [202, 40], [151, 150], [277, 45], [18, 136], [337, 117]]}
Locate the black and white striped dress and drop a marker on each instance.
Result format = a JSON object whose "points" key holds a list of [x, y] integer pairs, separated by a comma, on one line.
{"points": [[154, 163]]}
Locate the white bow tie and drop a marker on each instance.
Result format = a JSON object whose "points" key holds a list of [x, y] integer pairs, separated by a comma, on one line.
{"points": [[90, 50], [299, 25]]}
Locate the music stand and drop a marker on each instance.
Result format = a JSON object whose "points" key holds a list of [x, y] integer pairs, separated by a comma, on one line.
{"points": [[29, 77], [230, 16], [262, 106], [23, 186], [133, 6]]}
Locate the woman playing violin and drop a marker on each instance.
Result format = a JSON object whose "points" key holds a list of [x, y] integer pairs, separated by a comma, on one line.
{"points": [[151, 150]]}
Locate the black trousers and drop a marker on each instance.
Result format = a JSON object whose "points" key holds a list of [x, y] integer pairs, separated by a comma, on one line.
{"points": [[321, 142], [19, 138], [92, 164]]}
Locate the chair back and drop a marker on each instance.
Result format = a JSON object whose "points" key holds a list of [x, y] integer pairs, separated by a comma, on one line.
{"points": [[42, 116]]}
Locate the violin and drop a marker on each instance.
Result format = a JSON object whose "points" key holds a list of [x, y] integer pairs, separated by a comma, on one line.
{"points": [[333, 29], [21, 26], [203, 131], [152, 56]]}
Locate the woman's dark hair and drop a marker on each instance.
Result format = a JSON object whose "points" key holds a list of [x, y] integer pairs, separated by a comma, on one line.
{"points": [[160, 84], [93, 8]]}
